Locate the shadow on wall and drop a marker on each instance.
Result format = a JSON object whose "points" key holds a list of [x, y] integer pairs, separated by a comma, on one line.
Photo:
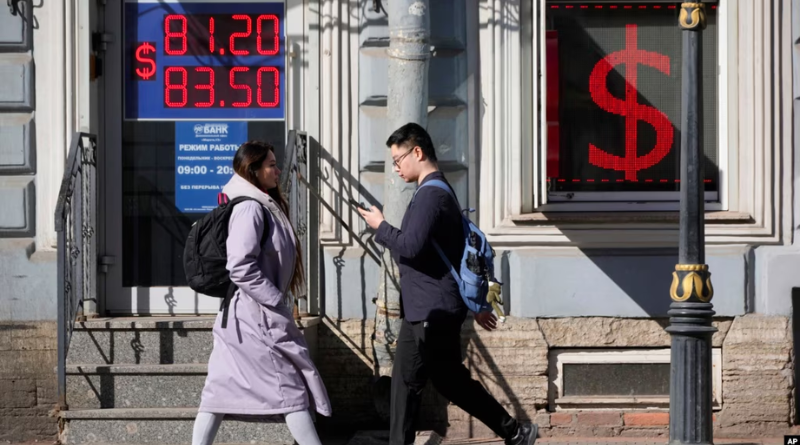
{"points": [[346, 365], [346, 356], [345, 346]]}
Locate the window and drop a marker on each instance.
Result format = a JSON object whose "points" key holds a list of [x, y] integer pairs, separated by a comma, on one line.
{"points": [[621, 378], [750, 129], [613, 102]]}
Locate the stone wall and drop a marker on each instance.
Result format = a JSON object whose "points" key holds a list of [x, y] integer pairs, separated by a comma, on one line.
{"points": [[758, 376], [344, 359], [512, 362], [28, 392]]}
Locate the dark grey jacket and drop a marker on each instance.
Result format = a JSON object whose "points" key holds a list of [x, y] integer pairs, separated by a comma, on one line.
{"points": [[428, 290]]}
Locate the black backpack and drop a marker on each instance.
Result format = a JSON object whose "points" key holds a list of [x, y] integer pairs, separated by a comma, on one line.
{"points": [[206, 255]]}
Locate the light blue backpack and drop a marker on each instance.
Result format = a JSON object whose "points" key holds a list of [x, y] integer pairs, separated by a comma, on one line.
{"points": [[473, 286]]}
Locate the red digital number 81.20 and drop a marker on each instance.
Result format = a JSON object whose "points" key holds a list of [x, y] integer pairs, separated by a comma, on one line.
{"points": [[266, 24]]}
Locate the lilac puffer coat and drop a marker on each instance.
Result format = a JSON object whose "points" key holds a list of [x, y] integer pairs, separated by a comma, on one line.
{"points": [[260, 363]]}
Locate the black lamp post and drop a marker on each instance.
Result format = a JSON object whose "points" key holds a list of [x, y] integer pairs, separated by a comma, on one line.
{"points": [[691, 311]]}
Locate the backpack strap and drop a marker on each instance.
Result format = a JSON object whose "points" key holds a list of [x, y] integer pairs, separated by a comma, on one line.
{"points": [[442, 185], [439, 184], [224, 199], [226, 302], [447, 261]]}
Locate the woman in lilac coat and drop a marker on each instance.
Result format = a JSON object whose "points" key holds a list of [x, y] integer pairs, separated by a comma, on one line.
{"points": [[260, 365]]}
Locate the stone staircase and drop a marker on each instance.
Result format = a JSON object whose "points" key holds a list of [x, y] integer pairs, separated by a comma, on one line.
{"points": [[138, 381]]}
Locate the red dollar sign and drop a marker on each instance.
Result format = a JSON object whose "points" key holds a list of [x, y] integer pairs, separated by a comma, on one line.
{"points": [[144, 48], [631, 56]]}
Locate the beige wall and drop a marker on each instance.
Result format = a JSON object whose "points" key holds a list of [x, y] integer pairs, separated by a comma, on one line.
{"points": [[28, 391]]}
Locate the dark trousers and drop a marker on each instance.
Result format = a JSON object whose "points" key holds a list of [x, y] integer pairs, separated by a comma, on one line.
{"points": [[433, 350]]}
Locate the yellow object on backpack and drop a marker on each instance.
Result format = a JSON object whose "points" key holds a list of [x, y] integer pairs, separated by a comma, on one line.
{"points": [[495, 299]]}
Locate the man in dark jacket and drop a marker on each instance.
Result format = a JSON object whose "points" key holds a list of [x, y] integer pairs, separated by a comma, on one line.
{"points": [[429, 343]]}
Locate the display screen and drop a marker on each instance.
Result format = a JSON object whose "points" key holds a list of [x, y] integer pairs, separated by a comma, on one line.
{"points": [[614, 97], [221, 87], [208, 34], [189, 61]]}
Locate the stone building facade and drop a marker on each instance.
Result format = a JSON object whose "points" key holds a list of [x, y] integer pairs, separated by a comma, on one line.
{"points": [[586, 275]]}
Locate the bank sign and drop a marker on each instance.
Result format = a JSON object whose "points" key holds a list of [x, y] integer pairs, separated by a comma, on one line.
{"points": [[204, 162]]}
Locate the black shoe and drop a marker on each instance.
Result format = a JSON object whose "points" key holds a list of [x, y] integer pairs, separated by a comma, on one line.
{"points": [[526, 435]]}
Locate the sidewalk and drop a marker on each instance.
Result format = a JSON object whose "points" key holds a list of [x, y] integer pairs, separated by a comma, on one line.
{"points": [[428, 438]]}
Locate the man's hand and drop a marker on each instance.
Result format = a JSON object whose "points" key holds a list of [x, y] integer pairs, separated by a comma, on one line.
{"points": [[373, 217], [487, 320]]}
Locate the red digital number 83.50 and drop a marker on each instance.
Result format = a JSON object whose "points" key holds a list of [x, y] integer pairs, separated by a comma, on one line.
{"points": [[177, 82]]}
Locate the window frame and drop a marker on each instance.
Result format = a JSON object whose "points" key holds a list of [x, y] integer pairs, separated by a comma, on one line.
{"points": [[559, 357], [755, 138], [593, 201]]}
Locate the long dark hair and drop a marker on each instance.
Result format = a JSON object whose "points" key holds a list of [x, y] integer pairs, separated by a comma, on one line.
{"points": [[248, 160]]}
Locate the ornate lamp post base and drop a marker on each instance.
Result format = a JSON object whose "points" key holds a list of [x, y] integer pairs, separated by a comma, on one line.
{"points": [[691, 392]]}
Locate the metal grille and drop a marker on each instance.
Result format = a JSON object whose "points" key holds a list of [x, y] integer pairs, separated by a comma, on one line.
{"points": [[296, 194]]}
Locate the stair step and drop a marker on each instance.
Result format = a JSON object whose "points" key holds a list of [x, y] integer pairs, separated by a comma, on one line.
{"points": [[163, 426], [150, 340], [135, 386]]}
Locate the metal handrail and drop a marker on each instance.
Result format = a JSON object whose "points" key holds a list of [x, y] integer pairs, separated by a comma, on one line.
{"points": [[75, 221]]}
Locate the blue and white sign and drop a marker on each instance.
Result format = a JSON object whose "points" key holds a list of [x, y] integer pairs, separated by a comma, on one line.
{"points": [[204, 162]]}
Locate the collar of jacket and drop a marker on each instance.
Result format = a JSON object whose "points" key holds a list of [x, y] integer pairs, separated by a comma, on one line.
{"points": [[433, 175], [239, 186]]}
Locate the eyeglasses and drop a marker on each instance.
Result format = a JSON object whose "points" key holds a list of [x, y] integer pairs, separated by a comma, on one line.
{"points": [[396, 162]]}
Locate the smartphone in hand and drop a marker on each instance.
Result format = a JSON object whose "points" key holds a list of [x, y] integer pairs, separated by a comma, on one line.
{"points": [[359, 205]]}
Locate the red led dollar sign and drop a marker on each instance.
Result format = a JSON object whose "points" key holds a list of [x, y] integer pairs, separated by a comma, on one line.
{"points": [[146, 72], [633, 111]]}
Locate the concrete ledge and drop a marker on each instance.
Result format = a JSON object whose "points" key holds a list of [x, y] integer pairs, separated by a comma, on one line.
{"points": [[567, 282], [558, 218], [153, 340], [163, 426], [129, 323], [189, 322], [199, 368], [130, 413]]}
